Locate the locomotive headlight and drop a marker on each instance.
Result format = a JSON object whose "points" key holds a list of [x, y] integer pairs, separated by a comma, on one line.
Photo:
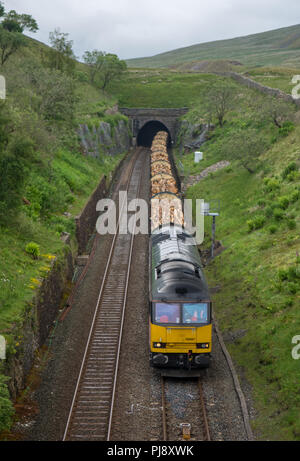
{"points": [[159, 345], [203, 346]]}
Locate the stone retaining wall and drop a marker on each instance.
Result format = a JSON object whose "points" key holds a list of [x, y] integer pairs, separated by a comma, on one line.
{"points": [[86, 221], [258, 86], [39, 317]]}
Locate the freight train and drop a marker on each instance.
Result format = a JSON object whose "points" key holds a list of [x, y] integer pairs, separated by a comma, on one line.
{"points": [[180, 304]]}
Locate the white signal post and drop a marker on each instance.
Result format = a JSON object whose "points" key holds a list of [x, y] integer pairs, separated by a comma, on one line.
{"points": [[206, 212]]}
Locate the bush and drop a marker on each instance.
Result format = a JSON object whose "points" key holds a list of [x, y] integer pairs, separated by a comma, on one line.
{"points": [[6, 407], [294, 197], [293, 288], [273, 229], [286, 129], [278, 214], [292, 224], [33, 249], [284, 202], [62, 224], [271, 184], [56, 94], [261, 202], [283, 275], [294, 176], [256, 223], [14, 164], [269, 211], [289, 169]]}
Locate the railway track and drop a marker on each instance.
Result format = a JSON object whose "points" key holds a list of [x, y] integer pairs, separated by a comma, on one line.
{"points": [[184, 415], [91, 413]]}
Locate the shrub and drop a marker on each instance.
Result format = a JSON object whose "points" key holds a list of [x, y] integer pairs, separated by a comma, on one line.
{"points": [[269, 211], [6, 406], [283, 275], [293, 273], [288, 303], [292, 224], [14, 164], [294, 176], [256, 223], [293, 288], [278, 214], [284, 202], [271, 184], [286, 129], [289, 169], [294, 197], [261, 202], [33, 249], [273, 229]]}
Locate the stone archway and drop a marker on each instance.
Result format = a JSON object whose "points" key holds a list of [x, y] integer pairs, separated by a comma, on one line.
{"points": [[169, 118]]}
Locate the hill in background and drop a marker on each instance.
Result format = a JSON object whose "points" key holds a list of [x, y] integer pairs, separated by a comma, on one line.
{"points": [[275, 47]]}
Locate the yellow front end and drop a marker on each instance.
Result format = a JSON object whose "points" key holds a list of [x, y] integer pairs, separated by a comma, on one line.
{"points": [[181, 339]]}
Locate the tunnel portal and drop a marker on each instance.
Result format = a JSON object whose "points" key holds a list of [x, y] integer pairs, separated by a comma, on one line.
{"points": [[147, 133], [145, 123]]}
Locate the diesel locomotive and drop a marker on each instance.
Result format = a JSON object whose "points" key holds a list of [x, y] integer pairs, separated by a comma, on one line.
{"points": [[180, 304]]}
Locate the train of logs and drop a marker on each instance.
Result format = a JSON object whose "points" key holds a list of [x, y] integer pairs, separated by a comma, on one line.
{"points": [[166, 204]]}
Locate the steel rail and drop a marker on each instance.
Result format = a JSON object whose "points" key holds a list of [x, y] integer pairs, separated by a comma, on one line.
{"points": [[92, 329], [122, 322], [204, 418], [204, 413], [164, 410]]}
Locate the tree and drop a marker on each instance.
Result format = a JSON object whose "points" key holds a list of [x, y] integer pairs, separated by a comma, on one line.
{"points": [[95, 60], [61, 56], [112, 68], [105, 66], [2, 10], [5, 126], [14, 22], [220, 99], [277, 110], [56, 94], [11, 32], [245, 146], [10, 42]]}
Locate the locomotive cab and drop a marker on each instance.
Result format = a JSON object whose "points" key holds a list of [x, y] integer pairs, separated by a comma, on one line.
{"points": [[180, 307]]}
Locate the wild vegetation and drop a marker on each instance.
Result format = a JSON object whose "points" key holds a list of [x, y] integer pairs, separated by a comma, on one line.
{"points": [[258, 274], [44, 179]]}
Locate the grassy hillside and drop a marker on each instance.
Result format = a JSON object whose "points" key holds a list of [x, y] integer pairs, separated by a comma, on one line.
{"points": [[258, 274], [159, 88], [45, 179], [276, 47]]}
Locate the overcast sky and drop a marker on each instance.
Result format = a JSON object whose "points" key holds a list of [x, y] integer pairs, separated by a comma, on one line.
{"points": [[138, 28]]}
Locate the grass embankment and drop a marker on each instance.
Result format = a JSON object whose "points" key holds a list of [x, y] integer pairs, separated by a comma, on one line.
{"points": [[160, 88], [259, 274], [45, 179]]}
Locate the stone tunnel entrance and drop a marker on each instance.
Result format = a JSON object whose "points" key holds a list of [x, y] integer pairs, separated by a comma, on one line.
{"points": [[145, 123], [149, 130]]}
